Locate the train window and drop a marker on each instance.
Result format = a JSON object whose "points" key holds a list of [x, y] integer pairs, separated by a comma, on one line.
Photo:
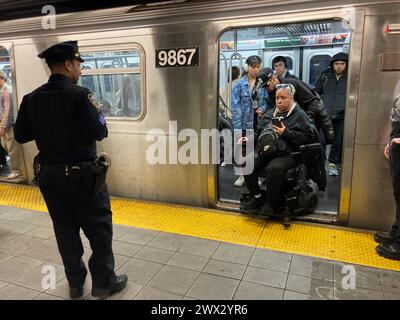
{"points": [[318, 64], [307, 48], [115, 78]]}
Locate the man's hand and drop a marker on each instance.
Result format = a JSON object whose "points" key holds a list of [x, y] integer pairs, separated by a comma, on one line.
{"points": [[396, 140], [259, 112], [278, 130], [386, 151], [242, 139]]}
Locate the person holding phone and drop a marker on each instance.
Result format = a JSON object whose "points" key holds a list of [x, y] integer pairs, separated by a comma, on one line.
{"points": [[246, 100], [290, 123]]}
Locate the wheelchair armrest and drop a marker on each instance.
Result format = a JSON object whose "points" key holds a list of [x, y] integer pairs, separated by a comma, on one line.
{"points": [[311, 146]]}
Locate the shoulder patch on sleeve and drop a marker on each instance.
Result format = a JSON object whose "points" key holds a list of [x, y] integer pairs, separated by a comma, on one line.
{"points": [[94, 102]]}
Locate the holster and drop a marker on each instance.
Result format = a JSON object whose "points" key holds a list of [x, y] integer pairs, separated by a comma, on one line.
{"points": [[94, 176]]}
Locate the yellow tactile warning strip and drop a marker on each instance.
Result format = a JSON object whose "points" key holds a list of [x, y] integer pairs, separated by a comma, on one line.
{"points": [[328, 243]]}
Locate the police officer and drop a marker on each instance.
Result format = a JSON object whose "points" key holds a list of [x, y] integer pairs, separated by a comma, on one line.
{"points": [[389, 242], [65, 121]]}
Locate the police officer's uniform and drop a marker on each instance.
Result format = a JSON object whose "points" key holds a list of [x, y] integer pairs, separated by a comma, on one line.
{"points": [[65, 121]]}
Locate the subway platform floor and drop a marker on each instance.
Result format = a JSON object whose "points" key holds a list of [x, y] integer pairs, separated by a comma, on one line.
{"points": [[163, 265]]}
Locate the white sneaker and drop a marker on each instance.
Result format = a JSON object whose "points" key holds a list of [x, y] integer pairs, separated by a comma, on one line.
{"points": [[332, 171], [239, 182], [14, 175], [223, 164]]}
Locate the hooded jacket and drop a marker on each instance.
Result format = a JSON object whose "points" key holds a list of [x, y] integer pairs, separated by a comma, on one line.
{"points": [[333, 91]]}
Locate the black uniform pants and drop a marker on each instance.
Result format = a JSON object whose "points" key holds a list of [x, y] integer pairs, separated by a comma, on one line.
{"points": [[275, 169], [395, 171], [71, 208], [335, 155]]}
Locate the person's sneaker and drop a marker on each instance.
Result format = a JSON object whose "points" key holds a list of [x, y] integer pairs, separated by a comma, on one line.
{"points": [[239, 182], [14, 175], [253, 203], [332, 171], [223, 164], [115, 286]]}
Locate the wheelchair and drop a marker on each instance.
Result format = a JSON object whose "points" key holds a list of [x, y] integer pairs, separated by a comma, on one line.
{"points": [[300, 188]]}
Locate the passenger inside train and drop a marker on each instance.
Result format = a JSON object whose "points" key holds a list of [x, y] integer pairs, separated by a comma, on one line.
{"points": [[300, 64], [280, 65], [247, 104], [285, 127], [332, 86], [8, 142]]}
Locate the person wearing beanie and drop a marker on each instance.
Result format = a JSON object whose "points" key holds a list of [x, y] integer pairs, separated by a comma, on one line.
{"points": [[332, 86], [6, 128]]}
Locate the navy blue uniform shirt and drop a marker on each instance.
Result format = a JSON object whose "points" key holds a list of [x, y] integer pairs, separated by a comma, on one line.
{"points": [[64, 119]]}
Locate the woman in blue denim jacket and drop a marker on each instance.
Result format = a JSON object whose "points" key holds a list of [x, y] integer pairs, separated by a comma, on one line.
{"points": [[245, 100]]}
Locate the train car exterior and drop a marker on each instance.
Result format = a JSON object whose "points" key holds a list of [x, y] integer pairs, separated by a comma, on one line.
{"points": [[189, 94]]}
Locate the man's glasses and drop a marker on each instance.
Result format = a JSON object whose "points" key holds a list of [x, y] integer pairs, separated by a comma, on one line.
{"points": [[286, 85]]}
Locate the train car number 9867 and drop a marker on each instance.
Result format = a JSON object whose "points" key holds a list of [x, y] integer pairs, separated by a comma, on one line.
{"points": [[177, 57]]}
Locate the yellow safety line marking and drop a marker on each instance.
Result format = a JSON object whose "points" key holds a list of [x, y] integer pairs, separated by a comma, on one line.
{"points": [[328, 243]]}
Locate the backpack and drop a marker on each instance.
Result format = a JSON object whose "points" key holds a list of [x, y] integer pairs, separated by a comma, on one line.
{"points": [[269, 143]]}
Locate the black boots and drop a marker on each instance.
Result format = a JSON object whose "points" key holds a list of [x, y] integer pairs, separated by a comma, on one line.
{"points": [[388, 246], [383, 237], [115, 286], [75, 293]]}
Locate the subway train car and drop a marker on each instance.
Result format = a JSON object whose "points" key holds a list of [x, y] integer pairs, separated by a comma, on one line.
{"points": [[157, 71]]}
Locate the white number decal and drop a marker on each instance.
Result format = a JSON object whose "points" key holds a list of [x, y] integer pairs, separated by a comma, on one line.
{"points": [[192, 52], [162, 57], [173, 57], [181, 57]]}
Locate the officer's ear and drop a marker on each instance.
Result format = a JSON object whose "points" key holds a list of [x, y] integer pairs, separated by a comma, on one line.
{"points": [[68, 64]]}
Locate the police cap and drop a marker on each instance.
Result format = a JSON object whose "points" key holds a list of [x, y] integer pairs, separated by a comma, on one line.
{"points": [[60, 52]]}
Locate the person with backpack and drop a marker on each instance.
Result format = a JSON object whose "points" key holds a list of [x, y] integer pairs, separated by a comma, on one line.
{"points": [[308, 101], [290, 128], [332, 86]]}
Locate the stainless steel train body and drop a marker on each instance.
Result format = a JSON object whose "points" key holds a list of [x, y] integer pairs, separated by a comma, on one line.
{"points": [[189, 95]]}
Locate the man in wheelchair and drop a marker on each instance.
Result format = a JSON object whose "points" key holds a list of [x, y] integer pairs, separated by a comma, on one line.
{"points": [[280, 134]]}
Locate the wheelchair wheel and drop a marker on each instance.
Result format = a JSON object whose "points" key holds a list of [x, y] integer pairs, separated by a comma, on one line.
{"points": [[310, 203]]}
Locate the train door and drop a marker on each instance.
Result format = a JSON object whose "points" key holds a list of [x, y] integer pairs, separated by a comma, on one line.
{"points": [[316, 60], [10, 163], [308, 48]]}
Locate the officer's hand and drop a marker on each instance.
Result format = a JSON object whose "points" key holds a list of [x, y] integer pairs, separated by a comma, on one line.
{"points": [[386, 151], [278, 130]]}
